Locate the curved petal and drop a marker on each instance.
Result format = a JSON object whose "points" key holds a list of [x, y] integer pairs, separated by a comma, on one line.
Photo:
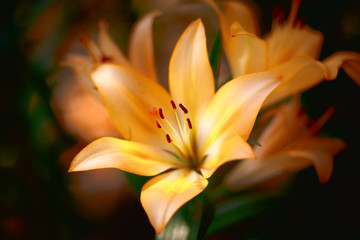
{"points": [[163, 195], [191, 80], [299, 74], [352, 69], [286, 42], [130, 99], [132, 157], [81, 115], [234, 11], [246, 52], [221, 152], [319, 151], [235, 106], [251, 172], [141, 50], [339, 59], [108, 47]]}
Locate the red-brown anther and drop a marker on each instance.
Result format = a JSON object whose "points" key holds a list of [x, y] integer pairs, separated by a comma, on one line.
{"points": [[168, 139], [105, 59], [189, 123], [158, 125], [84, 39], [161, 114], [183, 108], [173, 104]]}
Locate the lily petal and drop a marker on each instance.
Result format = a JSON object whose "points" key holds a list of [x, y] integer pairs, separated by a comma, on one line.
{"points": [[320, 152], [352, 69], [109, 47], [132, 157], [251, 172], [131, 99], [235, 106], [141, 50], [299, 74], [190, 70], [337, 60], [221, 152], [246, 52], [163, 195], [286, 42], [232, 11]]}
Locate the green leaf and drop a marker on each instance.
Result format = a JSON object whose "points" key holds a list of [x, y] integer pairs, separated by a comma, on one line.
{"points": [[215, 57], [136, 182], [236, 210], [191, 221]]}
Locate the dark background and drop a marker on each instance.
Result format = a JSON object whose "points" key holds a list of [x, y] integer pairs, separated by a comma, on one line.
{"points": [[35, 200]]}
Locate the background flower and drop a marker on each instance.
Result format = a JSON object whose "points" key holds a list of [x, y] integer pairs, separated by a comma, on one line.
{"points": [[35, 201]]}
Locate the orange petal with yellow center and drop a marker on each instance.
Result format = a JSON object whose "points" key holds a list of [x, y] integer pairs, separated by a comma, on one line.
{"points": [[234, 108], [132, 157], [221, 152], [191, 80], [163, 195], [132, 101]]}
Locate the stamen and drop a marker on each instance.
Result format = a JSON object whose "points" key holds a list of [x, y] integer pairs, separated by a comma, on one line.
{"points": [[105, 59], [173, 104], [168, 139], [161, 114], [183, 108], [189, 123], [158, 125]]}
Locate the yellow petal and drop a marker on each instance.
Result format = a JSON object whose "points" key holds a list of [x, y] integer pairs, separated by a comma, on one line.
{"points": [[191, 80], [337, 60], [232, 11], [286, 42], [221, 152], [163, 195], [141, 50], [235, 106], [246, 52], [299, 74], [130, 99], [132, 157], [109, 47]]}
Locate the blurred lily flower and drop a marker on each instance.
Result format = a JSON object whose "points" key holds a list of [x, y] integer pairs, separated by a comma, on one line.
{"points": [[180, 137], [288, 144], [76, 99], [291, 49]]}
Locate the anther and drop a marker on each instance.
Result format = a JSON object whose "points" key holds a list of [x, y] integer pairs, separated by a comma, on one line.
{"points": [[168, 139], [105, 59], [158, 125], [189, 123], [161, 113], [173, 104], [183, 108]]}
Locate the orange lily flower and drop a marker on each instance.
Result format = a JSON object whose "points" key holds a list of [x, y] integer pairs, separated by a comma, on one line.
{"points": [[75, 98], [180, 137], [289, 144], [291, 49]]}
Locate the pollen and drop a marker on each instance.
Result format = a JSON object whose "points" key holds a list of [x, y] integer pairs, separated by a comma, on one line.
{"points": [[183, 108]]}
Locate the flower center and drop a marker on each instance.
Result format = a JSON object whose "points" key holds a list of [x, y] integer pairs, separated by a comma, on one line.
{"points": [[180, 133]]}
